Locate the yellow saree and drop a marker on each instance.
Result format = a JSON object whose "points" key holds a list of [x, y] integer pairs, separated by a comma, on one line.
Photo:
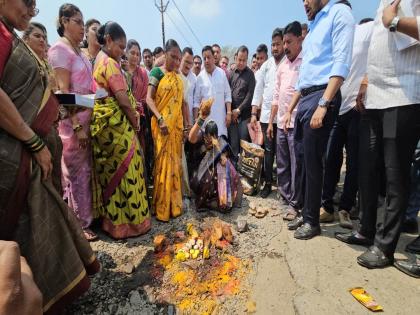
{"points": [[118, 180], [167, 194]]}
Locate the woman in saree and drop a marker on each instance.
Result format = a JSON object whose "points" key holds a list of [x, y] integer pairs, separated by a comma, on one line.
{"points": [[119, 184], [91, 46], [35, 36], [73, 73], [165, 100], [138, 80], [216, 182], [32, 212]]}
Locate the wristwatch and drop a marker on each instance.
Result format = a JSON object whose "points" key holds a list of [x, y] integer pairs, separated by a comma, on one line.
{"points": [[394, 23], [323, 103]]}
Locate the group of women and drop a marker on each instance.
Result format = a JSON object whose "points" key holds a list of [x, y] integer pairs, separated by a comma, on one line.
{"points": [[102, 161], [62, 167]]}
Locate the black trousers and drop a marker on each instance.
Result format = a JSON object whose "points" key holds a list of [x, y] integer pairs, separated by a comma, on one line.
{"points": [[269, 152], [400, 134], [237, 132], [371, 170], [313, 144], [345, 133]]}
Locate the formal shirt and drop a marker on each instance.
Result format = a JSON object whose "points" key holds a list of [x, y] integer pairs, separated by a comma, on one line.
{"points": [[214, 85], [242, 84], [265, 78], [350, 87], [189, 87], [394, 75], [286, 78], [327, 48]]}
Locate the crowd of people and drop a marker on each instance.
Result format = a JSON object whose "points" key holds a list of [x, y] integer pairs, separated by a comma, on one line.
{"points": [[167, 127]]}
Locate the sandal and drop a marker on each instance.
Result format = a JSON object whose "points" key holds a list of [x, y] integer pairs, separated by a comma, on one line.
{"points": [[290, 215], [261, 213], [90, 235]]}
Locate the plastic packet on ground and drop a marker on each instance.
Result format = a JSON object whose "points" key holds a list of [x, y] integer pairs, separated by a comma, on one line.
{"points": [[366, 299]]}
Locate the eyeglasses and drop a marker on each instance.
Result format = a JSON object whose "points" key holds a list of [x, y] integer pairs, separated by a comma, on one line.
{"points": [[197, 62], [78, 21]]}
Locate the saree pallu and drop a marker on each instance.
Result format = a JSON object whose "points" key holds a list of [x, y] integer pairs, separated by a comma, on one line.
{"points": [[35, 216], [119, 193], [167, 193]]}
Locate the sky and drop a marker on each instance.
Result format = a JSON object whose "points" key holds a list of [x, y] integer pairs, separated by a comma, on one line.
{"points": [[226, 22]]}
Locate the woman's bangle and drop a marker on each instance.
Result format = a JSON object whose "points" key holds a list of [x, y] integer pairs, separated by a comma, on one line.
{"points": [[229, 113], [160, 120], [200, 122], [35, 144], [31, 140]]}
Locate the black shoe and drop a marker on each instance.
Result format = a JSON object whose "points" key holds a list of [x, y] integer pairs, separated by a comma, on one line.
{"points": [[350, 238], [266, 191], [410, 226], [408, 267], [307, 231], [414, 246], [297, 222], [374, 258]]}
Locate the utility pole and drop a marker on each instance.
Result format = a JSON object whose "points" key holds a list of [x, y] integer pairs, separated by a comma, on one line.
{"points": [[162, 8]]}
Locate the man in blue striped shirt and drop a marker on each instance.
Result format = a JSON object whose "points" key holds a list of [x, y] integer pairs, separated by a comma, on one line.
{"points": [[327, 52]]}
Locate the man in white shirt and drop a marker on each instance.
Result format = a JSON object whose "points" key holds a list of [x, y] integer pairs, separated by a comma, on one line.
{"points": [[411, 27], [197, 65], [345, 133], [189, 79], [390, 123], [261, 54], [265, 78], [212, 83]]}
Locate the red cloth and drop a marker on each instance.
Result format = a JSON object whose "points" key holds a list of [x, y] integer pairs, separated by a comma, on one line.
{"points": [[6, 40], [140, 84]]}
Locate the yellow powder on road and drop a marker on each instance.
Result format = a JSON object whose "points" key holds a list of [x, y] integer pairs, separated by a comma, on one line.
{"points": [[198, 289]]}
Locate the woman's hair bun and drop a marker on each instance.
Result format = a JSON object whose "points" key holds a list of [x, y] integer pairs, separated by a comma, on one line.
{"points": [[100, 34]]}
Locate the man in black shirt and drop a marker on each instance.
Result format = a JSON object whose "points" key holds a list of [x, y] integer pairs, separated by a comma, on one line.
{"points": [[242, 84]]}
